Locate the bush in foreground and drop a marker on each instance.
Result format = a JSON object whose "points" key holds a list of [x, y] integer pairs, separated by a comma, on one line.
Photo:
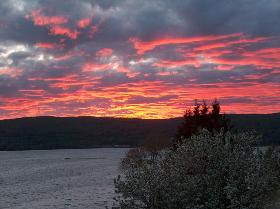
{"points": [[220, 171]]}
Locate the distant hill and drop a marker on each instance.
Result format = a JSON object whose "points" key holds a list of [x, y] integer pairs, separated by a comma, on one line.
{"points": [[89, 132]]}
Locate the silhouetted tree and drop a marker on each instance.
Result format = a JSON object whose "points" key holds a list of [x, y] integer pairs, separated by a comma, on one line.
{"points": [[202, 116]]}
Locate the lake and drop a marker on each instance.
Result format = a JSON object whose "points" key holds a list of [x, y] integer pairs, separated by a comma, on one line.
{"points": [[78, 178]]}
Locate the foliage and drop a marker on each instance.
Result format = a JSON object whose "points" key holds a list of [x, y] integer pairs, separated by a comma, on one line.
{"points": [[154, 143], [202, 116], [208, 171]]}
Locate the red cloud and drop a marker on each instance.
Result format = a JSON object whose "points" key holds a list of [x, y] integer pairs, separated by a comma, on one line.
{"points": [[61, 30], [259, 62], [12, 72], [57, 25], [46, 45], [227, 43], [83, 23], [224, 67], [54, 24], [120, 97], [144, 46], [42, 20], [141, 96], [225, 51], [92, 67], [104, 52]]}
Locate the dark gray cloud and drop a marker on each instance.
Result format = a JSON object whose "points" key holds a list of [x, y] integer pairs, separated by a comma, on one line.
{"points": [[214, 16], [149, 19]]}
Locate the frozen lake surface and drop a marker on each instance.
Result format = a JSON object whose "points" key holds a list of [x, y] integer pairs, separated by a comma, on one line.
{"points": [[47, 179]]}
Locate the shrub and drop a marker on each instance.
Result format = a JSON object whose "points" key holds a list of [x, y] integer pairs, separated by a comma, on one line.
{"points": [[208, 171]]}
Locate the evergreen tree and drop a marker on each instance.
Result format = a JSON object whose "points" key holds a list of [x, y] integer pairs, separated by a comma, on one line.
{"points": [[202, 116]]}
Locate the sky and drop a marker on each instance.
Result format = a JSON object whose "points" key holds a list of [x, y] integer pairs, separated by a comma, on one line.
{"points": [[131, 58]]}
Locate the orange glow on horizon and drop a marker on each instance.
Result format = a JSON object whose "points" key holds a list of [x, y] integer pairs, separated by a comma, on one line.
{"points": [[142, 100], [102, 81]]}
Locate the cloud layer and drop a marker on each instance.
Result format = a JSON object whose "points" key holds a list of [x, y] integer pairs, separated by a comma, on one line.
{"points": [[129, 58]]}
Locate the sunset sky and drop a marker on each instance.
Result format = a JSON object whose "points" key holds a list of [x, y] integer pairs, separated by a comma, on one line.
{"points": [[138, 58]]}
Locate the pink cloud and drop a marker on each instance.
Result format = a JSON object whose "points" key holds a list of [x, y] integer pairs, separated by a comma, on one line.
{"points": [[61, 30], [83, 23], [12, 72], [93, 67], [40, 19], [224, 67], [48, 45], [105, 52], [144, 46]]}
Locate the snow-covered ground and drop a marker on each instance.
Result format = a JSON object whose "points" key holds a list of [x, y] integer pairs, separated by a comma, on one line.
{"points": [[50, 179]]}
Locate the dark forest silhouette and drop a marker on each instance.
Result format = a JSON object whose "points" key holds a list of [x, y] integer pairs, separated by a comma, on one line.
{"points": [[200, 117], [87, 132]]}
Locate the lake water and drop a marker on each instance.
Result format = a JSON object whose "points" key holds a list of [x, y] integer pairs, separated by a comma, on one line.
{"points": [[81, 178]]}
